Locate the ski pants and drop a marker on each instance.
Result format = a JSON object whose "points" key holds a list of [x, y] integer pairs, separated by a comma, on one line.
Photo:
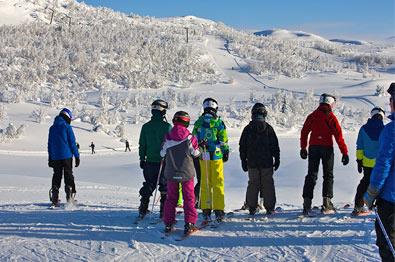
{"points": [[317, 154], [60, 168], [362, 187], [198, 175], [169, 216], [212, 186], [386, 211], [151, 172], [261, 180]]}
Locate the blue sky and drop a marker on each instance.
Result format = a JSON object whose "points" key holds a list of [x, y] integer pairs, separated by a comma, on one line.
{"points": [[368, 19]]}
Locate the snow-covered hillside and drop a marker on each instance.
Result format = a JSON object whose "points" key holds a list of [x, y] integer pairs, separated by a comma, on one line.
{"points": [[108, 67]]}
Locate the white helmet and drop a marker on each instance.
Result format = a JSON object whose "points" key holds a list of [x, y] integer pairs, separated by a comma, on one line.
{"points": [[377, 110], [327, 99]]}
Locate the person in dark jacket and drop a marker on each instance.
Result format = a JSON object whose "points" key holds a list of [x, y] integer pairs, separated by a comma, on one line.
{"points": [[321, 125], [258, 148], [151, 138], [127, 146], [367, 147], [61, 149], [382, 185], [92, 146]]}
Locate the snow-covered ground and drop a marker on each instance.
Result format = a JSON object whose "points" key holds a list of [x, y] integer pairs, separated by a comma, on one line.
{"points": [[100, 227]]}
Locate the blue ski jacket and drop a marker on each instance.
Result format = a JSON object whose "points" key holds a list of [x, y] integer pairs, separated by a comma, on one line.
{"points": [[61, 140], [382, 179], [368, 142]]}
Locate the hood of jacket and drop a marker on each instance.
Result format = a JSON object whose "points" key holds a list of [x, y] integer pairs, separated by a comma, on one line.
{"points": [[373, 128], [258, 126], [178, 133]]}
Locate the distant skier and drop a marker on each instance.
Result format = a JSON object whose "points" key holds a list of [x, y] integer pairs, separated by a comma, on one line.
{"points": [[367, 147], [78, 146], [179, 149], [127, 147], [382, 185], [92, 146], [321, 124], [151, 138], [213, 143], [258, 148], [61, 149]]}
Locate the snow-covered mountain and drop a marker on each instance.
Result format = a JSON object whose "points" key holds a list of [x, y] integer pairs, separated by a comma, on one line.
{"points": [[108, 67]]}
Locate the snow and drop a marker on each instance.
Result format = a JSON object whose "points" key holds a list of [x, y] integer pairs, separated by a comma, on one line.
{"points": [[101, 228]]}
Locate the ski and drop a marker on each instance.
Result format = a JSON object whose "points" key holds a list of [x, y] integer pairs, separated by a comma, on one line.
{"points": [[185, 236]]}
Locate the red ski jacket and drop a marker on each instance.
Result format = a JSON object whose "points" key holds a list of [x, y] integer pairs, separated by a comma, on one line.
{"points": [[322, 124]]}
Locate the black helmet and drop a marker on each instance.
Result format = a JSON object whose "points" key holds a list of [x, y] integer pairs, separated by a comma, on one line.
{"points": [[181, 117], [258, 111], [159, 105], [210, 106], [391, 90], [377, 111], [327, 99]]}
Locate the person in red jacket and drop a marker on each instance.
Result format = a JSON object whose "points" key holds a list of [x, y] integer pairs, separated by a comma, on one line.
{"points": [[321, 124]]}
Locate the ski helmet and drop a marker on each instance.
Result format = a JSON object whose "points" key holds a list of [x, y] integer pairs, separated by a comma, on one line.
{"points": [[391, 91], [210, 106], [377, 111], [327, 99], [181, 117], [67, 112], [259, 111], [159, 105]]}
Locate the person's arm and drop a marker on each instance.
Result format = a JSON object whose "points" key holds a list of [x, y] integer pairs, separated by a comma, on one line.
{"points": [[72, 143], [243, 144], [338, 134], [360, 146], [304, 133], [274, 146], [142, 145], [223, 137]]}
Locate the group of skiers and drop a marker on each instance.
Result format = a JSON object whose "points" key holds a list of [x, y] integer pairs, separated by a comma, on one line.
{"points": [[171, 157]]}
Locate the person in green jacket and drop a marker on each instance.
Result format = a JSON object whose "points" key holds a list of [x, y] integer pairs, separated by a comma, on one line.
{"points": [[150, 142]]}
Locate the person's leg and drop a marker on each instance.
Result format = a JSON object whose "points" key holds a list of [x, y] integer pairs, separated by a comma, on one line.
{"points": [[198, 177], [327, 187], [218, 186], [189, 202], [269, 194], [56, 180], [69, 178], [312, 174], [253, 188], [386, 211], [150, 173], [169, 214], [362, 187], [205, 185]]}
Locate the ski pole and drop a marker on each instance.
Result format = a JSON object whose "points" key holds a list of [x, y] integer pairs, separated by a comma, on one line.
{"points": [[156, 187], [384, 232]]}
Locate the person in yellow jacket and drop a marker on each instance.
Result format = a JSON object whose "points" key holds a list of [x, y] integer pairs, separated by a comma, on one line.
{"points": [[211, 133]]}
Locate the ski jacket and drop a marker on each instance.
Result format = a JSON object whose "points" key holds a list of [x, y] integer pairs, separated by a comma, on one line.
{"points": [[179, 149], [61, 140], [322, 124], [258, 145], [213, 132], [151, 138], [382, 179], [368, 142]]}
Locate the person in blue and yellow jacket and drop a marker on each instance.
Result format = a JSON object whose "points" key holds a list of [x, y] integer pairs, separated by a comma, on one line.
{"points": [[213, 143], [382, 185], [367, 147]]}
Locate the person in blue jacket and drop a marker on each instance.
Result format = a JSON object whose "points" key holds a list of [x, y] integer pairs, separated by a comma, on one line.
{"points": [[382, 185], [61, 149], [367, 147]]}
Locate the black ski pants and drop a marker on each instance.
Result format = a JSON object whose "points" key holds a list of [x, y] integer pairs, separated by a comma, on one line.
{"points": [[362, 187], [60, 168], [198, 175], [386, 211], [151, 172], [317, 154], [261, 181]]}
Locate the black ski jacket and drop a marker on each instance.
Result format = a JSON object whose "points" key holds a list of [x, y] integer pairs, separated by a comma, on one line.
{"points": [[258, 145]]}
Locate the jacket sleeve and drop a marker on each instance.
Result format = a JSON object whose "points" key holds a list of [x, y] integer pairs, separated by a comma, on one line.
{"points": [[49, 145], [306, 129], [274, 144], [142, 144], [194, 147], [337, 133], [71, 141], [360, 145], [243, 144], [385, 159], [164, 149], [223, 137]]}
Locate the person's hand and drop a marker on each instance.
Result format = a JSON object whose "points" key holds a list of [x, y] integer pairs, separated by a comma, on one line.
{"points": [[50, 163], [370, 196], [225, 156], [303, 153], [345, 160], [77, 161], [360, 168], [203, 144], [244, 165], [142, 164], [276, 164]]}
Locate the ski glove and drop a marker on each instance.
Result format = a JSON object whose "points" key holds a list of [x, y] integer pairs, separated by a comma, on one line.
{"points": [[50, 163], [77, 161], [276, 164], [244, 165], [303, 153], [203, 144], [359, 163], [225, 156], [345, 160], [370, 196], [142, 164]]}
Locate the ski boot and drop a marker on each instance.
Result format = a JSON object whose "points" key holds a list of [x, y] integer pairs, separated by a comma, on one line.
{"points": [[306, 206], [252, 211], [360, 211], [189, 228], [54, 196], [327, 206], [143, 208], [219, 215], [207, 215], [70, 194], [169, 228]]}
